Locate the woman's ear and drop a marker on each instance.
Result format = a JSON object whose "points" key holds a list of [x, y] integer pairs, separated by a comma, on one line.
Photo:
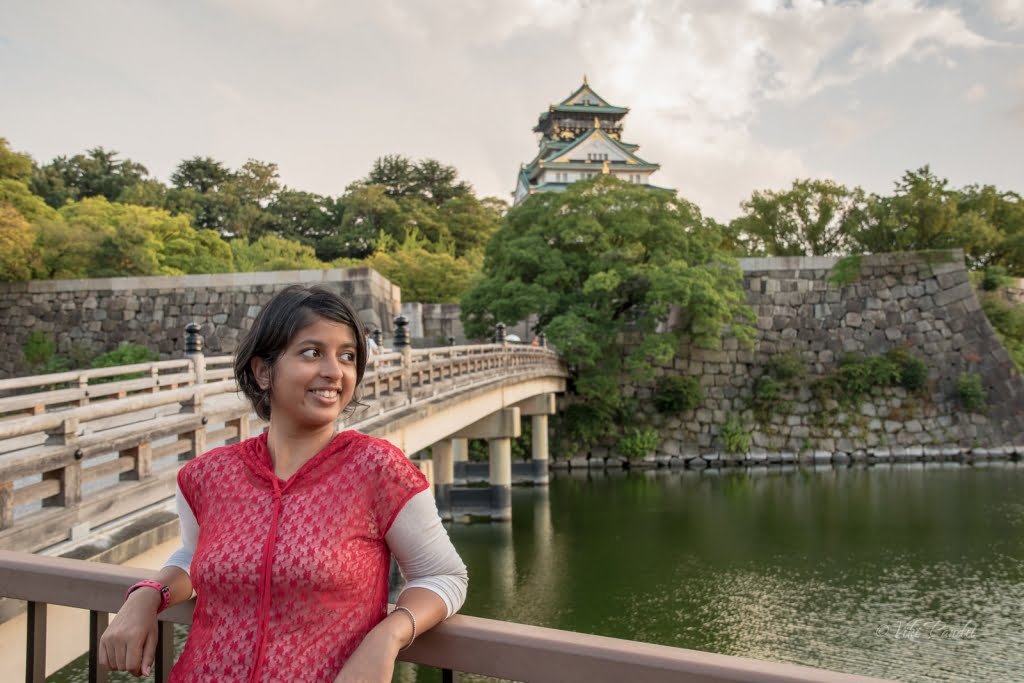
{"points": [[261, 371]]}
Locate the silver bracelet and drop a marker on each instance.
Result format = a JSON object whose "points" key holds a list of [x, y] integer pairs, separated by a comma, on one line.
{"points": [[412, 617]]}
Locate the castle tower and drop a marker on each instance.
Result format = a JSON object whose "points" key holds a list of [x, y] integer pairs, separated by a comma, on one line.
{"points": [[580, 137]]}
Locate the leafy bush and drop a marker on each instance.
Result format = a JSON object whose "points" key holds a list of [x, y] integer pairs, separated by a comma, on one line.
{"points": [[781, 374], [675, 394], [913, 372], [38, 349], [638, 442], [734, 438], [993, 278], [765, 398], [786, 367], [1008, 321], [971, 392], [857, 376], [126, 354]]}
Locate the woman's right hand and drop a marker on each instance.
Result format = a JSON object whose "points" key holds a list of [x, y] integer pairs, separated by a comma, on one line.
{"points": [[129, 642]]}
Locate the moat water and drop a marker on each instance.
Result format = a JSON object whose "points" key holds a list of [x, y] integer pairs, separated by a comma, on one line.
{"points": [[909, 572]]}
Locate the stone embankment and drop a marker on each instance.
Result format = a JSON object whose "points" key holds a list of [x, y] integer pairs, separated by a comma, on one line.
{"points": [[89, 317], [920, 304], [820, 309]]}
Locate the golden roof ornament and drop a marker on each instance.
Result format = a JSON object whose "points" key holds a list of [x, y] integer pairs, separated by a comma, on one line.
{"points": [[597, 121], [604, 167]]}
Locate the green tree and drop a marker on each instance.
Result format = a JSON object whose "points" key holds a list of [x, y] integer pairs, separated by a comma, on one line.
{"points": [[368, 212], [97, 238], [304, 217], [924, 213], [812, 218], [394, 173], [67, 251], [254, 187], [202, 174], [18, 255], [17, 194], [1003, 212], [438, 183], [271, 252], [14, 165], [202, 190], [147, 192], [428, 179], [471, 222], [425, 276], [601, 265], [212, 255], [98, 172], [130, 249], [256, 182]]}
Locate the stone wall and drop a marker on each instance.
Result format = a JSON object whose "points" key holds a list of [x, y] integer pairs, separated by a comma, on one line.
{"points": [[922, 303], [89, 317]]}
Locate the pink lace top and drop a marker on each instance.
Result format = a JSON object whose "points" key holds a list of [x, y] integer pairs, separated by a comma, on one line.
{"points": [[290, 576]]}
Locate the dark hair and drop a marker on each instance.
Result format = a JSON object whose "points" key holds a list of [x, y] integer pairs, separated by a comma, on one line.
{"points": [[291, 309]]}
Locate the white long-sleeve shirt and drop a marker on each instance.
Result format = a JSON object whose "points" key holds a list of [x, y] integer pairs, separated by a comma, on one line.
{"points": [[417, 538]]}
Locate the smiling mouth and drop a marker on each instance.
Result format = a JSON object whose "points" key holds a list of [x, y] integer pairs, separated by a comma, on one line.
{"points": [[326, 393]]}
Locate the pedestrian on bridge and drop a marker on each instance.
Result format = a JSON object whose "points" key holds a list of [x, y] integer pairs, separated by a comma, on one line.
{"points": [[287, 537]]}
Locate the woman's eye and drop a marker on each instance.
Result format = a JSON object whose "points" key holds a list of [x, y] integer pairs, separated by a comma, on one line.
{"points": [[310, 353], [348, 357]]}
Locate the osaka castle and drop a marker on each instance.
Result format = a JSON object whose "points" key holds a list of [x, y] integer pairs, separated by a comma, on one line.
{"points": [[581, 137]]}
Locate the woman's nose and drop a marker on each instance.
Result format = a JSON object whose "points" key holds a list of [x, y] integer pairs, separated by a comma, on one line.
{"points": [[330, 367]]}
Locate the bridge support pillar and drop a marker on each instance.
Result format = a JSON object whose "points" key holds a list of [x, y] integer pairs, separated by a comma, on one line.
{"points": [[441, 453], [538, 408], [460, 456], [500, 451], [499, 429], [539, 444]]}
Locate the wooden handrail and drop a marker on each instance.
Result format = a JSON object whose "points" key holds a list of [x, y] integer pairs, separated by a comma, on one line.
{"points": [[49, 421], [92, 373], [463, 643]]}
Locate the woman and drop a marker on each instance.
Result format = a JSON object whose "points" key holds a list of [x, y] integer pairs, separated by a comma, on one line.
{"points": [[287, 537]]}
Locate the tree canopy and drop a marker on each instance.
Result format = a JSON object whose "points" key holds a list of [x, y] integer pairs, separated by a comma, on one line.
{"points": [[97, 214], [602, 265], [820, 217], [98, 172]]}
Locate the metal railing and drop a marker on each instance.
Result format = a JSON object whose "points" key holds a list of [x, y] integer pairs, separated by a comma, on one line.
{"points": [[461, 644], [123, 440]]}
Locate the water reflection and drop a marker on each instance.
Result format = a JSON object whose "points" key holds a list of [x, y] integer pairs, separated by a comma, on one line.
{"points": [[907, 570]]}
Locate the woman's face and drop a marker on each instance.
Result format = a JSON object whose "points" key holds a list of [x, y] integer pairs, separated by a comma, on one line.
{"points": [[314, 377]]}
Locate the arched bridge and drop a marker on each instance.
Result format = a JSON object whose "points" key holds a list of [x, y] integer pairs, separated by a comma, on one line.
{"points": [[81, 449]]}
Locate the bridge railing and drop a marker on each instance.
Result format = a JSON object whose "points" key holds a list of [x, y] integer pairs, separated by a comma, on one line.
{"points": [[461, 644], [39, 394], [74, 466]]}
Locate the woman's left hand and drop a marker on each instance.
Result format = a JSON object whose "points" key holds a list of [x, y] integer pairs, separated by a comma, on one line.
{"points": [[373, 661]]}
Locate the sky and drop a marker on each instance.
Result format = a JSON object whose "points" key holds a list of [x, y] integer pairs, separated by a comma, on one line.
{"points": [[729, 96]]}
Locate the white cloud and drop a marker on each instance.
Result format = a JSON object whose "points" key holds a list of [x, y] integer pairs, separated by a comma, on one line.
{"points": [[975, 93], [1009, 12]]}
